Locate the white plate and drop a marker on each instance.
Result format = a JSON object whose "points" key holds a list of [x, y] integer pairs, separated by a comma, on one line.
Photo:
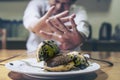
{"points": [[35, 71]]}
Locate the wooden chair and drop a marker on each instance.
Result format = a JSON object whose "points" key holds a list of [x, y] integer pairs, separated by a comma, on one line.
{"points": [[3, 33]]}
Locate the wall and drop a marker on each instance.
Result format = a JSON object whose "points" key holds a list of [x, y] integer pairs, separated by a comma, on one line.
{"points": [[98, 11], [12, 9]]}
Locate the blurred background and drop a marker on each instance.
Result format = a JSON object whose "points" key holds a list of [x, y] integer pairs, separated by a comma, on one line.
{"points": [[103, 16]]}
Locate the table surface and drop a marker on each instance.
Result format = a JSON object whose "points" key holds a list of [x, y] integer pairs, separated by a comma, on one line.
{"points": [[105, 73]]}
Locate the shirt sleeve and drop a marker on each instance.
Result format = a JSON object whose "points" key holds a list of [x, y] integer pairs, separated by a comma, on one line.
{"points": [[32, 14], [81, 21]]}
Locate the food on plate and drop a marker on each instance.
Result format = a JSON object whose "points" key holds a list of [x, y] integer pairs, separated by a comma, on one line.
{"points": [[47, 49], [57, 61], [66, 62]]}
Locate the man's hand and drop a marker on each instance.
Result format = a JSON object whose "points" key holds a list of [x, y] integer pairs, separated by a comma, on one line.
{"points": [[43, 26], [53, 27], [67, 35]]}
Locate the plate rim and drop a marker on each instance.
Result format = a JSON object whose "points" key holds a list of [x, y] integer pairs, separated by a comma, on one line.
{"points": [[53, 73]]}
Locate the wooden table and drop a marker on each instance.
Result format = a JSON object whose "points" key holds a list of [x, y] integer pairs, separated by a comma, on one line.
{"points": [[105, 73], [5, 54]]}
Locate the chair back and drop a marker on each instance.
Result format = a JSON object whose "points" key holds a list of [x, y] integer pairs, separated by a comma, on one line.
{"points": [[105, 31], [90, 30], [3, 34], [116, 35]]}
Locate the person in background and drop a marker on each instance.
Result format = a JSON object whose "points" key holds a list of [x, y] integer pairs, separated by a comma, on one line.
{"points": [[58, 20]]}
